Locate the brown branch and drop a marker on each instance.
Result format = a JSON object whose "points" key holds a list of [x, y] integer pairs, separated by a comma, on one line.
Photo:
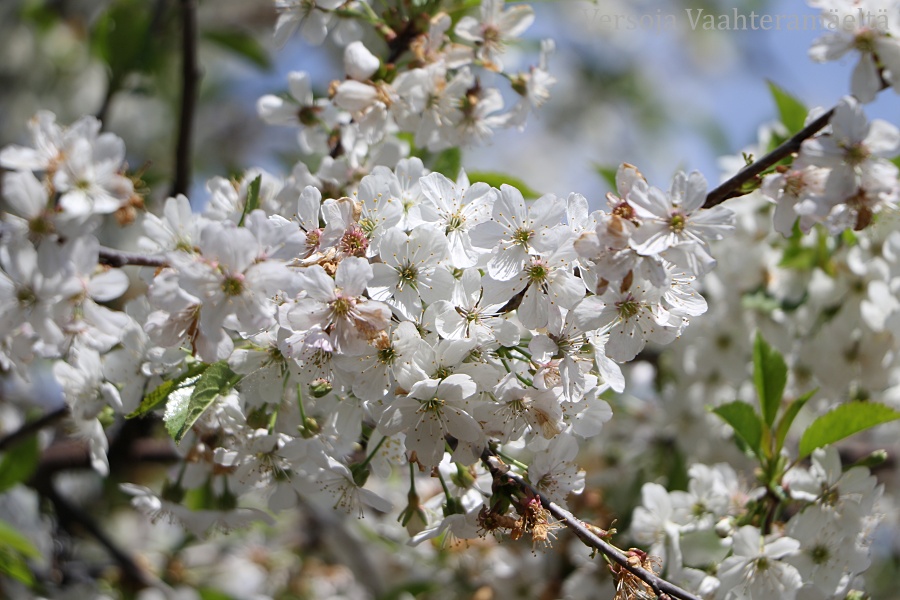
{"points": [[659, 585], [119, 258], [732, 187], [32, 427], [190, 77]]}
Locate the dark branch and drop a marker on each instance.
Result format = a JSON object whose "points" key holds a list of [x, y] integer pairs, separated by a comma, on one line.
{"points": [[72, 517], [190, 76], [118, 258], [33, 427], [660, 586], [732, 187]]}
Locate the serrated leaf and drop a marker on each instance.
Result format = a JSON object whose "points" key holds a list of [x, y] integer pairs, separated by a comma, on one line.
{"points": [[844, 421], [448, 163], [791, 111], [182, 413], [241, 44], [787, 418], [769, 377], [498, 179], [745, 422], [161, 393], [19, 463], [252, 199]]}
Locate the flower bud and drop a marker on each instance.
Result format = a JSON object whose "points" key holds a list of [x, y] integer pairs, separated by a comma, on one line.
{"points": [[359, 63]]}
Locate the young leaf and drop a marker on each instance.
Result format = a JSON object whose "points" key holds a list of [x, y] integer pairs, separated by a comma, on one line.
{"points": [[241, 44], [745, 422], [11, 538], [791, 111], [161, 393], [844, 421], [448, 162], [769, 376], [498, 179], [19, 463], [787, 418], [182, 413], [608, 174], [252, 199]]}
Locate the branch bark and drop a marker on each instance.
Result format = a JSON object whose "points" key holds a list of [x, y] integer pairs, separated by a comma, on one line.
{"points": [[120, 258], [732, 187], [190, 77], [659, 585], [33, 427]]}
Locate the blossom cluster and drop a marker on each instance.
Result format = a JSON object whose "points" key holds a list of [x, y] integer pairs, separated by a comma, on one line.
{"points": [[823, 546], [302, 334], [841, 178], [435, 86]]}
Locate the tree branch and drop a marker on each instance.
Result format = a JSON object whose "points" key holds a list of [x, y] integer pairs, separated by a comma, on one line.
{"points": [[33, 427], [732, 187], [119, 258], [190, 76], [660, 586], [69, 514]]}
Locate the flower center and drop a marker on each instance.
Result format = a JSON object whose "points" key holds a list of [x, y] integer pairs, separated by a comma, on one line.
{"points": [[433, 405], [677, 222], [354, 242], [522, 236], [313, 238], [865, 41], [856, 154], [26, 297], [538, 271], [455, 223], [341, 306], [408, 274], [233, 285], [629, 307], [820, 554]]}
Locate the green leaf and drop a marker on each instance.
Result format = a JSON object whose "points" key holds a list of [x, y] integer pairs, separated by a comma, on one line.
{"points": [[791, 111], [448, 163], [608, 174], [208, 593], [241, 44], [159, 395], [125, 38], [13, 539], [769, 377], [787, 418], [844, 421], [19, 463], [745, 422], [183, 412], [252, 199], [498, 179]]}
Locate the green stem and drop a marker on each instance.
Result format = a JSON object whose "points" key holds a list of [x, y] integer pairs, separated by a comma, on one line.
{"points": [[369, 457]]}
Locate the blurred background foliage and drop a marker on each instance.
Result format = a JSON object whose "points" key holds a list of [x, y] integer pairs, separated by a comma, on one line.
{"points": [[660, 99]]}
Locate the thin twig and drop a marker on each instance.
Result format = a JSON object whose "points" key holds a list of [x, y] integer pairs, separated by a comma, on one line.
{"points": [[190, 76], [32, 427], [119, 258], [660, 586], [732, 187]]}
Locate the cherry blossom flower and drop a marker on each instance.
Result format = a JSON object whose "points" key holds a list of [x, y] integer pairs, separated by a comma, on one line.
{"points": [[520, 230], [490, 34], [758, 569], [336, 307], [432, 410]]}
